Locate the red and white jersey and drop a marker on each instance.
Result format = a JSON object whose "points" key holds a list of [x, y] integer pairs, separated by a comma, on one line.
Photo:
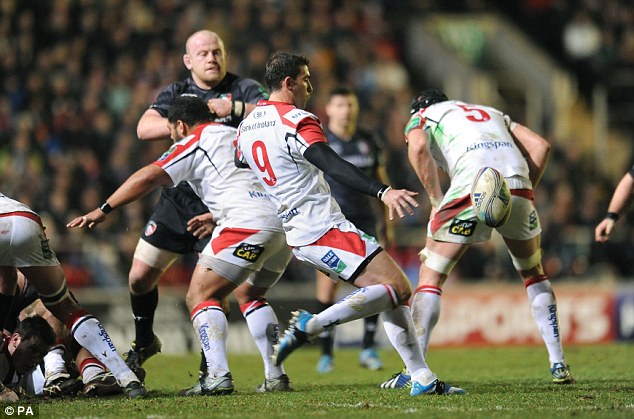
{"points": [[234, 196], [272, 140], [8, 205], [465, 137]]}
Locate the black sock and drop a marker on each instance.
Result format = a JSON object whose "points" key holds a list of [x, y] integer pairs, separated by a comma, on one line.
{"points": [[369, 331], [326, 340], [203, 363], [143, 308]]}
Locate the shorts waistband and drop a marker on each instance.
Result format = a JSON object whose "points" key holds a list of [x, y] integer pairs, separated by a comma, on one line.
{"points": [[26, 214]]}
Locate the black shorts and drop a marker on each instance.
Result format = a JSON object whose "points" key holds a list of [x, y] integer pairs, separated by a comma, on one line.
{"points": [[366, 225], [167, 228]]}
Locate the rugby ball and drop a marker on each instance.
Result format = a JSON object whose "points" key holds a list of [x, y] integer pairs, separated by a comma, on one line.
{"points": [[491, 197]]}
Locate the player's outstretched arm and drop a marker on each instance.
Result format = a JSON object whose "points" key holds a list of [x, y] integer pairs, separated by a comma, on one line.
{"points": [[620, 201], [327, 160], [142, 182]]}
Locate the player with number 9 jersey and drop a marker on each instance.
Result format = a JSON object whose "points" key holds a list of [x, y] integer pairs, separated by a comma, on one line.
{"points": [[273, 140]]}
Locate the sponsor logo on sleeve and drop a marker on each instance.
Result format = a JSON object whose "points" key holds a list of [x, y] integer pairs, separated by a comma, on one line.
{"points": [[167, 153], [248, 252], [462, 227]]}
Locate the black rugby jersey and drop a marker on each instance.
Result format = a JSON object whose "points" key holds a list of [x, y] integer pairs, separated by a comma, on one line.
{"points": [[232, 87], [364, 150]]}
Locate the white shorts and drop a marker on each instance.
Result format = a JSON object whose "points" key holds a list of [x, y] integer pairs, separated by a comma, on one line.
{"points": [[342, 253], [23, 242], [456, 222], [236, 253]]}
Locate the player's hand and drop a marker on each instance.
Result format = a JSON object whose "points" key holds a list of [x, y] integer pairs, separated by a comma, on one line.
{"points": [[202, 225], [8, 395], [89, 220], [603, 230], [400, 201], [221, 107]]}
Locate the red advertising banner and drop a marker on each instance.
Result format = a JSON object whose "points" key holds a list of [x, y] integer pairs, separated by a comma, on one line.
{"points": [[501, 316]]}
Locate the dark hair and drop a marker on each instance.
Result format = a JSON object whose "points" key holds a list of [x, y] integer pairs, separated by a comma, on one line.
{"points": [[191, 110], [36, 327], [427, 98], [341, 91], [281, 65]]}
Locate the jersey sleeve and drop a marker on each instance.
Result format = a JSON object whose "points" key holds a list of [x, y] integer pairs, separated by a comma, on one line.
{"points": [[165, 98], [179, 162], [253, 91], [311, 132], [417, 121]]}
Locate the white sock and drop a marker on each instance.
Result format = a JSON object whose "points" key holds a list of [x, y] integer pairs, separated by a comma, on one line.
{"points": [[361, 303], [54, 361], [264, 328], [210, 325], [90, 334], [544, 309], [90, 368], [400, 330], [425, 307]]}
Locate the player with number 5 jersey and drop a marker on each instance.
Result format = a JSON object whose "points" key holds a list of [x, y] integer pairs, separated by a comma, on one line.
{"points": [[461, 138], [287, 149]]}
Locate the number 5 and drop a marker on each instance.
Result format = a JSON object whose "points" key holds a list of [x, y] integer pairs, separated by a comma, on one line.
{"points": [[475, 114]]}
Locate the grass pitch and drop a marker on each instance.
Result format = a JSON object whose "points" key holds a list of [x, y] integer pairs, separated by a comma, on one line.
{"points": [[508, 382]]}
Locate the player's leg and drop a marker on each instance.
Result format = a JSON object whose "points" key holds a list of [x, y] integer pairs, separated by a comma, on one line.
{"points": [[383, 288], [263, 325], [206, 291], [59, 379], [437, 261], [325, 292], [522, 235], [50, 283], [526, 255], [369, 357], [148, 265], [37, 261]]}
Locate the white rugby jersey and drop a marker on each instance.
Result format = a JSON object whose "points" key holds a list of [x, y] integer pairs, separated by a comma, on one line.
{"points": [[206, 160], [465, 137], [272, 140], [8, 205]]}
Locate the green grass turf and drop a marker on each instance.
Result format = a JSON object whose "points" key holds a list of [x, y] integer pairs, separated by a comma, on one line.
{"points": [[502, 382]]}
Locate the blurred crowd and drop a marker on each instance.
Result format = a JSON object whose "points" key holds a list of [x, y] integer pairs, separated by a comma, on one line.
{"points": [[594, 38], [77, 75]]}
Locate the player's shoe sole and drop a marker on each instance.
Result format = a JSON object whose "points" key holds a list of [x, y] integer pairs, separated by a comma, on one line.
{"points": [[294, 337], [435, 387]]}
